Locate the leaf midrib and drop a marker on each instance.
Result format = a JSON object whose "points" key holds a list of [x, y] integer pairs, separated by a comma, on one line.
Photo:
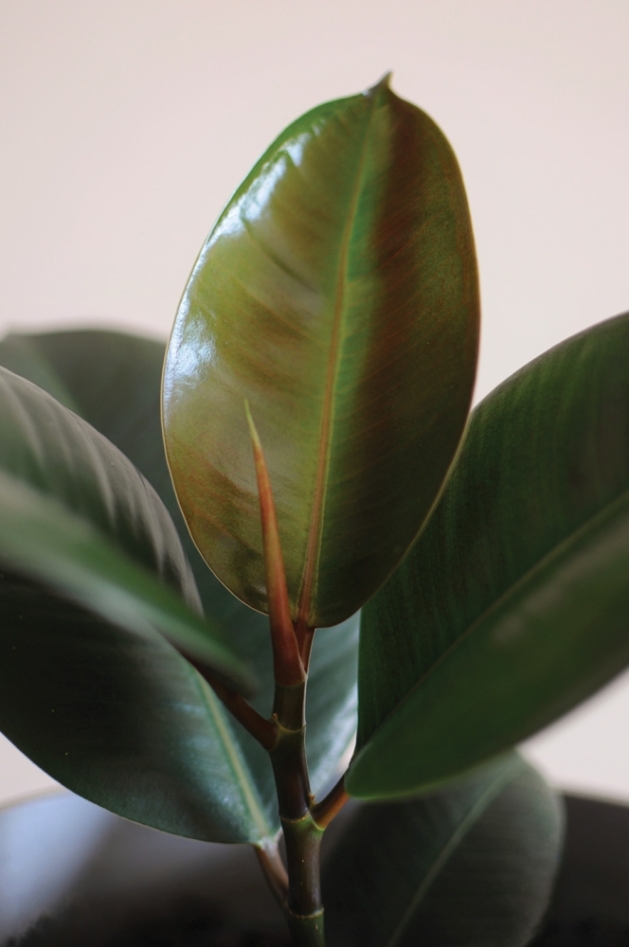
{"points": [[313, 546], [448, 849], [236, 763]]}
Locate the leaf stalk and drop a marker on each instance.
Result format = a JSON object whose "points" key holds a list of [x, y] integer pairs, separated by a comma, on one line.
{"points": [[263, 730], [274, 870], [325, 811]]}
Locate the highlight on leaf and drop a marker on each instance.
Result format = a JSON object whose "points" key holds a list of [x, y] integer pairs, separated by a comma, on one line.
{"points": [[337, 300], [338, 293]]}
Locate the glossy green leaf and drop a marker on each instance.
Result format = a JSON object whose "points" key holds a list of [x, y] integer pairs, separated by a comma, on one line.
{"points": [[338, 295], [113, 381], [110, 710], [123, 720], [76, 515], [514, 604], [42, 540], [471, 865]]}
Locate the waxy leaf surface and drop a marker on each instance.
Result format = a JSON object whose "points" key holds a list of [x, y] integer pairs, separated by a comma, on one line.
{"points": [[77, 514], [92, 570], [470, 865], [113, 381], [122, 719], [51, 545], [514, 603], [337, 294]]}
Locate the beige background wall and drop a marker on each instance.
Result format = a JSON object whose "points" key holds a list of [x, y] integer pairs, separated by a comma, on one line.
{"points": [[125, 125]]}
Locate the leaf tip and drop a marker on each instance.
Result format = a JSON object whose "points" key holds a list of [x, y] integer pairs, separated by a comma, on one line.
{"points": [[250, 422], [383, 84], [258, 453]]}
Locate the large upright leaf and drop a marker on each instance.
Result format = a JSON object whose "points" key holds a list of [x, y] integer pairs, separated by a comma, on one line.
{"points": [[471, 865], [113, 380], [514, 604], [338, 294]]}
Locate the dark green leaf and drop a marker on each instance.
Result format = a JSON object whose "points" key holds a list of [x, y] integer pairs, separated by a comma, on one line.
{"points": [[27, 355], [41, 539], [471, 865], [514, 604], [338, 294], [113, 381], [123, 720], [75, 514], [112, 712]]}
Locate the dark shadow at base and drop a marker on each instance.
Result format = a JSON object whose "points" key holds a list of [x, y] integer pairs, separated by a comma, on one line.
{"points": [[590, 906], [73, 875]]}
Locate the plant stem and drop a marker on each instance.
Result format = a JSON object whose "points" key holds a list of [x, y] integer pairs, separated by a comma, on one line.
{"points": [[303, 846], [326, 810], [292, 644], [307, 931], [305, 637], [304, 908]]}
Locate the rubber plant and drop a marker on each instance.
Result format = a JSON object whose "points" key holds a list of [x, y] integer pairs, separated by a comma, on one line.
{"points": [[315, 403]]}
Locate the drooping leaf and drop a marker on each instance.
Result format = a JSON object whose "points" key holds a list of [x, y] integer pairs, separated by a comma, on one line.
{"points": [[123, 720], [514, 604], [42, 540], [113, 381], [27, 356], [110, 710], [75, 514], [470, 865], [338, 294]]}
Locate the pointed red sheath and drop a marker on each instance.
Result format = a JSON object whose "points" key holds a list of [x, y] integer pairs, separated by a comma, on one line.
{"points": [[287, 664]]}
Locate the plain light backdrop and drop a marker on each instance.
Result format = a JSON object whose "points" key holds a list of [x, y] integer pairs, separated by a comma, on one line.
{"points": [[126, 125]]}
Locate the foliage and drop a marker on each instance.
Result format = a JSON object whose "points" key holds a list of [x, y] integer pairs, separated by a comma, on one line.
{"points": [[315, 396]]}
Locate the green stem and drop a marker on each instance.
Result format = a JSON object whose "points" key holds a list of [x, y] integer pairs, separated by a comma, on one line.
{"points": [[284, 735], [303, 846], [307, 931], [304, 907]]}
